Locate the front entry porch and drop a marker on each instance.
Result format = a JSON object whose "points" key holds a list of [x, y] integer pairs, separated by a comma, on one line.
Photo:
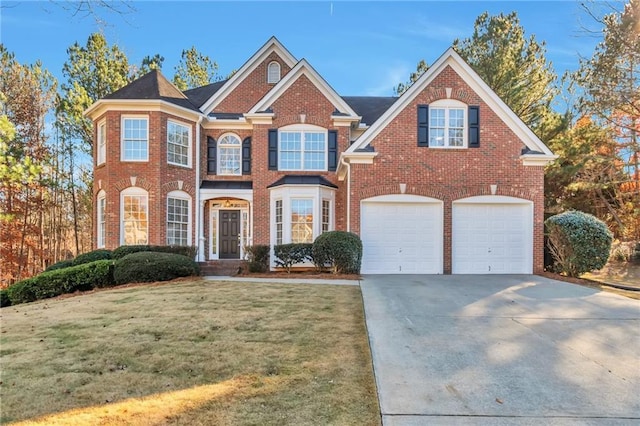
{"points": [[228, 229]]}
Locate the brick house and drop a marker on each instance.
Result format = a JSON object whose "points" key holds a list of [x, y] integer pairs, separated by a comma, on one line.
{"points": [[443, 179]]}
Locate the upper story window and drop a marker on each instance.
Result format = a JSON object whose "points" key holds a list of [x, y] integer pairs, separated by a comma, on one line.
{"points": [[102, 143], [135, 139], [273, 72], [447, 124], [229, 155], [178, 144], [302, 148]]}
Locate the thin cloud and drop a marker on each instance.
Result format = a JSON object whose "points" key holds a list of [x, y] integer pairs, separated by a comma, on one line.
{"points": [[390, 79]]}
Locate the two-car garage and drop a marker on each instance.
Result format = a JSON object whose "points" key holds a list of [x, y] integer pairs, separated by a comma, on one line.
{"points": [[405, 234]]}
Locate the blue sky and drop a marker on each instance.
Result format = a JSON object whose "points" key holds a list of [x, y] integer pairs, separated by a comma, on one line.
{"points": [[360, 48]]}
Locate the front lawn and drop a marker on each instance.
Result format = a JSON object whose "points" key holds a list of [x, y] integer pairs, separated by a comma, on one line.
{"points": [[191, 352]]}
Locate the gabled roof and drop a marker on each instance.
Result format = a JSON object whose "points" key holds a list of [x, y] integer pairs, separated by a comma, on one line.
{"points": [[200, 95], [152, 85], [303, 68], [453, 59], [272, 45], [370, 107]]}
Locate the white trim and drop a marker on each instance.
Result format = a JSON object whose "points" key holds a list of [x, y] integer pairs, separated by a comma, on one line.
{"points": [[272, 45], [238, 146], [453, 59], [132, 191], [101, 225], [189, 143], [214, 211], [179, 195], [101, 152], [304, 128], [123, 118], [273, 78], [492, 199], [401, 198], [537, 159], [139, 105], [447, 105], [303, 68]]}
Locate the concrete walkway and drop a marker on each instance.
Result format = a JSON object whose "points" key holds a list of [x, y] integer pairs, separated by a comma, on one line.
{"points": [[281, 280], [496, 350]]}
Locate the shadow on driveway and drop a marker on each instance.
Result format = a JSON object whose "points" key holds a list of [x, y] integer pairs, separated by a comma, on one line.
{"points": [[502, 350]]}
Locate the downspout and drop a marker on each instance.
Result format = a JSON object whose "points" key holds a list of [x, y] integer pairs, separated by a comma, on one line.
{"points": [[199, 256], [348, 166]]}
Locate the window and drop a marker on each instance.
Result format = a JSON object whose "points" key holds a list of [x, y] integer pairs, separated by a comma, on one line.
{"points": [[326, 215], [102, 143], [135, 211], [301, 221], [273, 73], [303, 149], [178, 144], [214, 232], [278, 222], [101, 219], [229, 155], [447, 124], [178, 219], [135, 139]]}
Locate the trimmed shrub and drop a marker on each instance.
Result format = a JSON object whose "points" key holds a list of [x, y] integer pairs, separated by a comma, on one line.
{"points": [[188, 251], [153, 266], [4, 298], [342, 251], [287, 255], [258, 257], [68, 280], [92, 256], [579, 242], [60, 265]]}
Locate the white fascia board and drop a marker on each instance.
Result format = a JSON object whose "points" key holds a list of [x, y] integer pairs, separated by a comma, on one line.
{"points": [[303, 68], [210, 194], [260, 118], [272, 45], [216, 123], [469, 76], [344, 121], [141, 105], [353, 158], [537, 159]]}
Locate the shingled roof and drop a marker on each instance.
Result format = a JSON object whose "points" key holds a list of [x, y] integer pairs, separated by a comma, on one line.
{"points": [[153, 85], [199, 95], [370, 108]]}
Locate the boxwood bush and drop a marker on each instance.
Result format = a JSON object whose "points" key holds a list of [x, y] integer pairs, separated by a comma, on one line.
{"points": [[341, 251], [287, 255], [149, 266], [122, 251], [579, 242], [258, 257], [4, 298], [92, 256], [56, 282], [60, 265]]}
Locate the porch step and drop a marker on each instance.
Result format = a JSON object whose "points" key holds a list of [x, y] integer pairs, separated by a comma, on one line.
{"points": [[229, 267]]}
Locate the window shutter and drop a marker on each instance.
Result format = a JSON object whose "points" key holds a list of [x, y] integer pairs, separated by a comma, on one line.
{"points": [[333, 150], [211, 155], [474, 127], [273, 149], [246, 156], [423, 125]]}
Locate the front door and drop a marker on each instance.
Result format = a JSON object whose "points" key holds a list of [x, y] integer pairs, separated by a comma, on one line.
{"points": [[229, 234]]}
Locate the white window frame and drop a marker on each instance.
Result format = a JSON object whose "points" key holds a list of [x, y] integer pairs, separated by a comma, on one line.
{"points": [[101, 203], [182, 196], [123, 120], [302, 129], [188, 146], [101, 155], [273, 72], [448, 105], [220, 146], [217, 205], [135, 192]]}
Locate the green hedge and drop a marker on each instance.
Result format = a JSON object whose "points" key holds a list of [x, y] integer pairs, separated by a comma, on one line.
{"points": [[341, 251], [188, 251], [92, 256], [287, 255], [149, 266], [60, 265], [258, 257], [4, 298], [54, 283]]}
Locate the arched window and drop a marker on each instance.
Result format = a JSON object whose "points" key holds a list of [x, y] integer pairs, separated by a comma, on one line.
{"points": [[447, 124], [178, 218], [134, 216], [101, 203], [273, 72], [229, 155]]}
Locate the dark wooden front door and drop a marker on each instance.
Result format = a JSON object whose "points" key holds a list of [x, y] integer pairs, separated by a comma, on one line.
{"points": [[230, 234]]}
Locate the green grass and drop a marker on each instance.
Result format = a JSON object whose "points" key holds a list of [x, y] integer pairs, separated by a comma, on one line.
{"points": [[190, 352]]}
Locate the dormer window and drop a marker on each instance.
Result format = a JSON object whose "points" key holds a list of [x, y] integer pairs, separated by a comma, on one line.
{"points": [[273, 73], [448, 123]]}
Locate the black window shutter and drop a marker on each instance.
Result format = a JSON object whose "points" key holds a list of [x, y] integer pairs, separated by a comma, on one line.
{"points": [[273, 149], [246, 156], [211, 155], [423, 125], [333, 150], [474, 127]]}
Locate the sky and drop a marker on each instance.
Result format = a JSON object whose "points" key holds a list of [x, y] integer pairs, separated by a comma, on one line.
{"points": [[360, 48]]}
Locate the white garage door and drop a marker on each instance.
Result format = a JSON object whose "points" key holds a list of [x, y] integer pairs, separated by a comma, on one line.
{"points": [[492, 235], [401, 235]]}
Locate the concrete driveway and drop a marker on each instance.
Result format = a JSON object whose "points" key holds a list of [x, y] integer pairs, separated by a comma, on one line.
{"points": [[462, 349]]}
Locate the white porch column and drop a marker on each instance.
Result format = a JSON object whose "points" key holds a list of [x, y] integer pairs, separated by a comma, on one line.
{"points": [[201, 232]]}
